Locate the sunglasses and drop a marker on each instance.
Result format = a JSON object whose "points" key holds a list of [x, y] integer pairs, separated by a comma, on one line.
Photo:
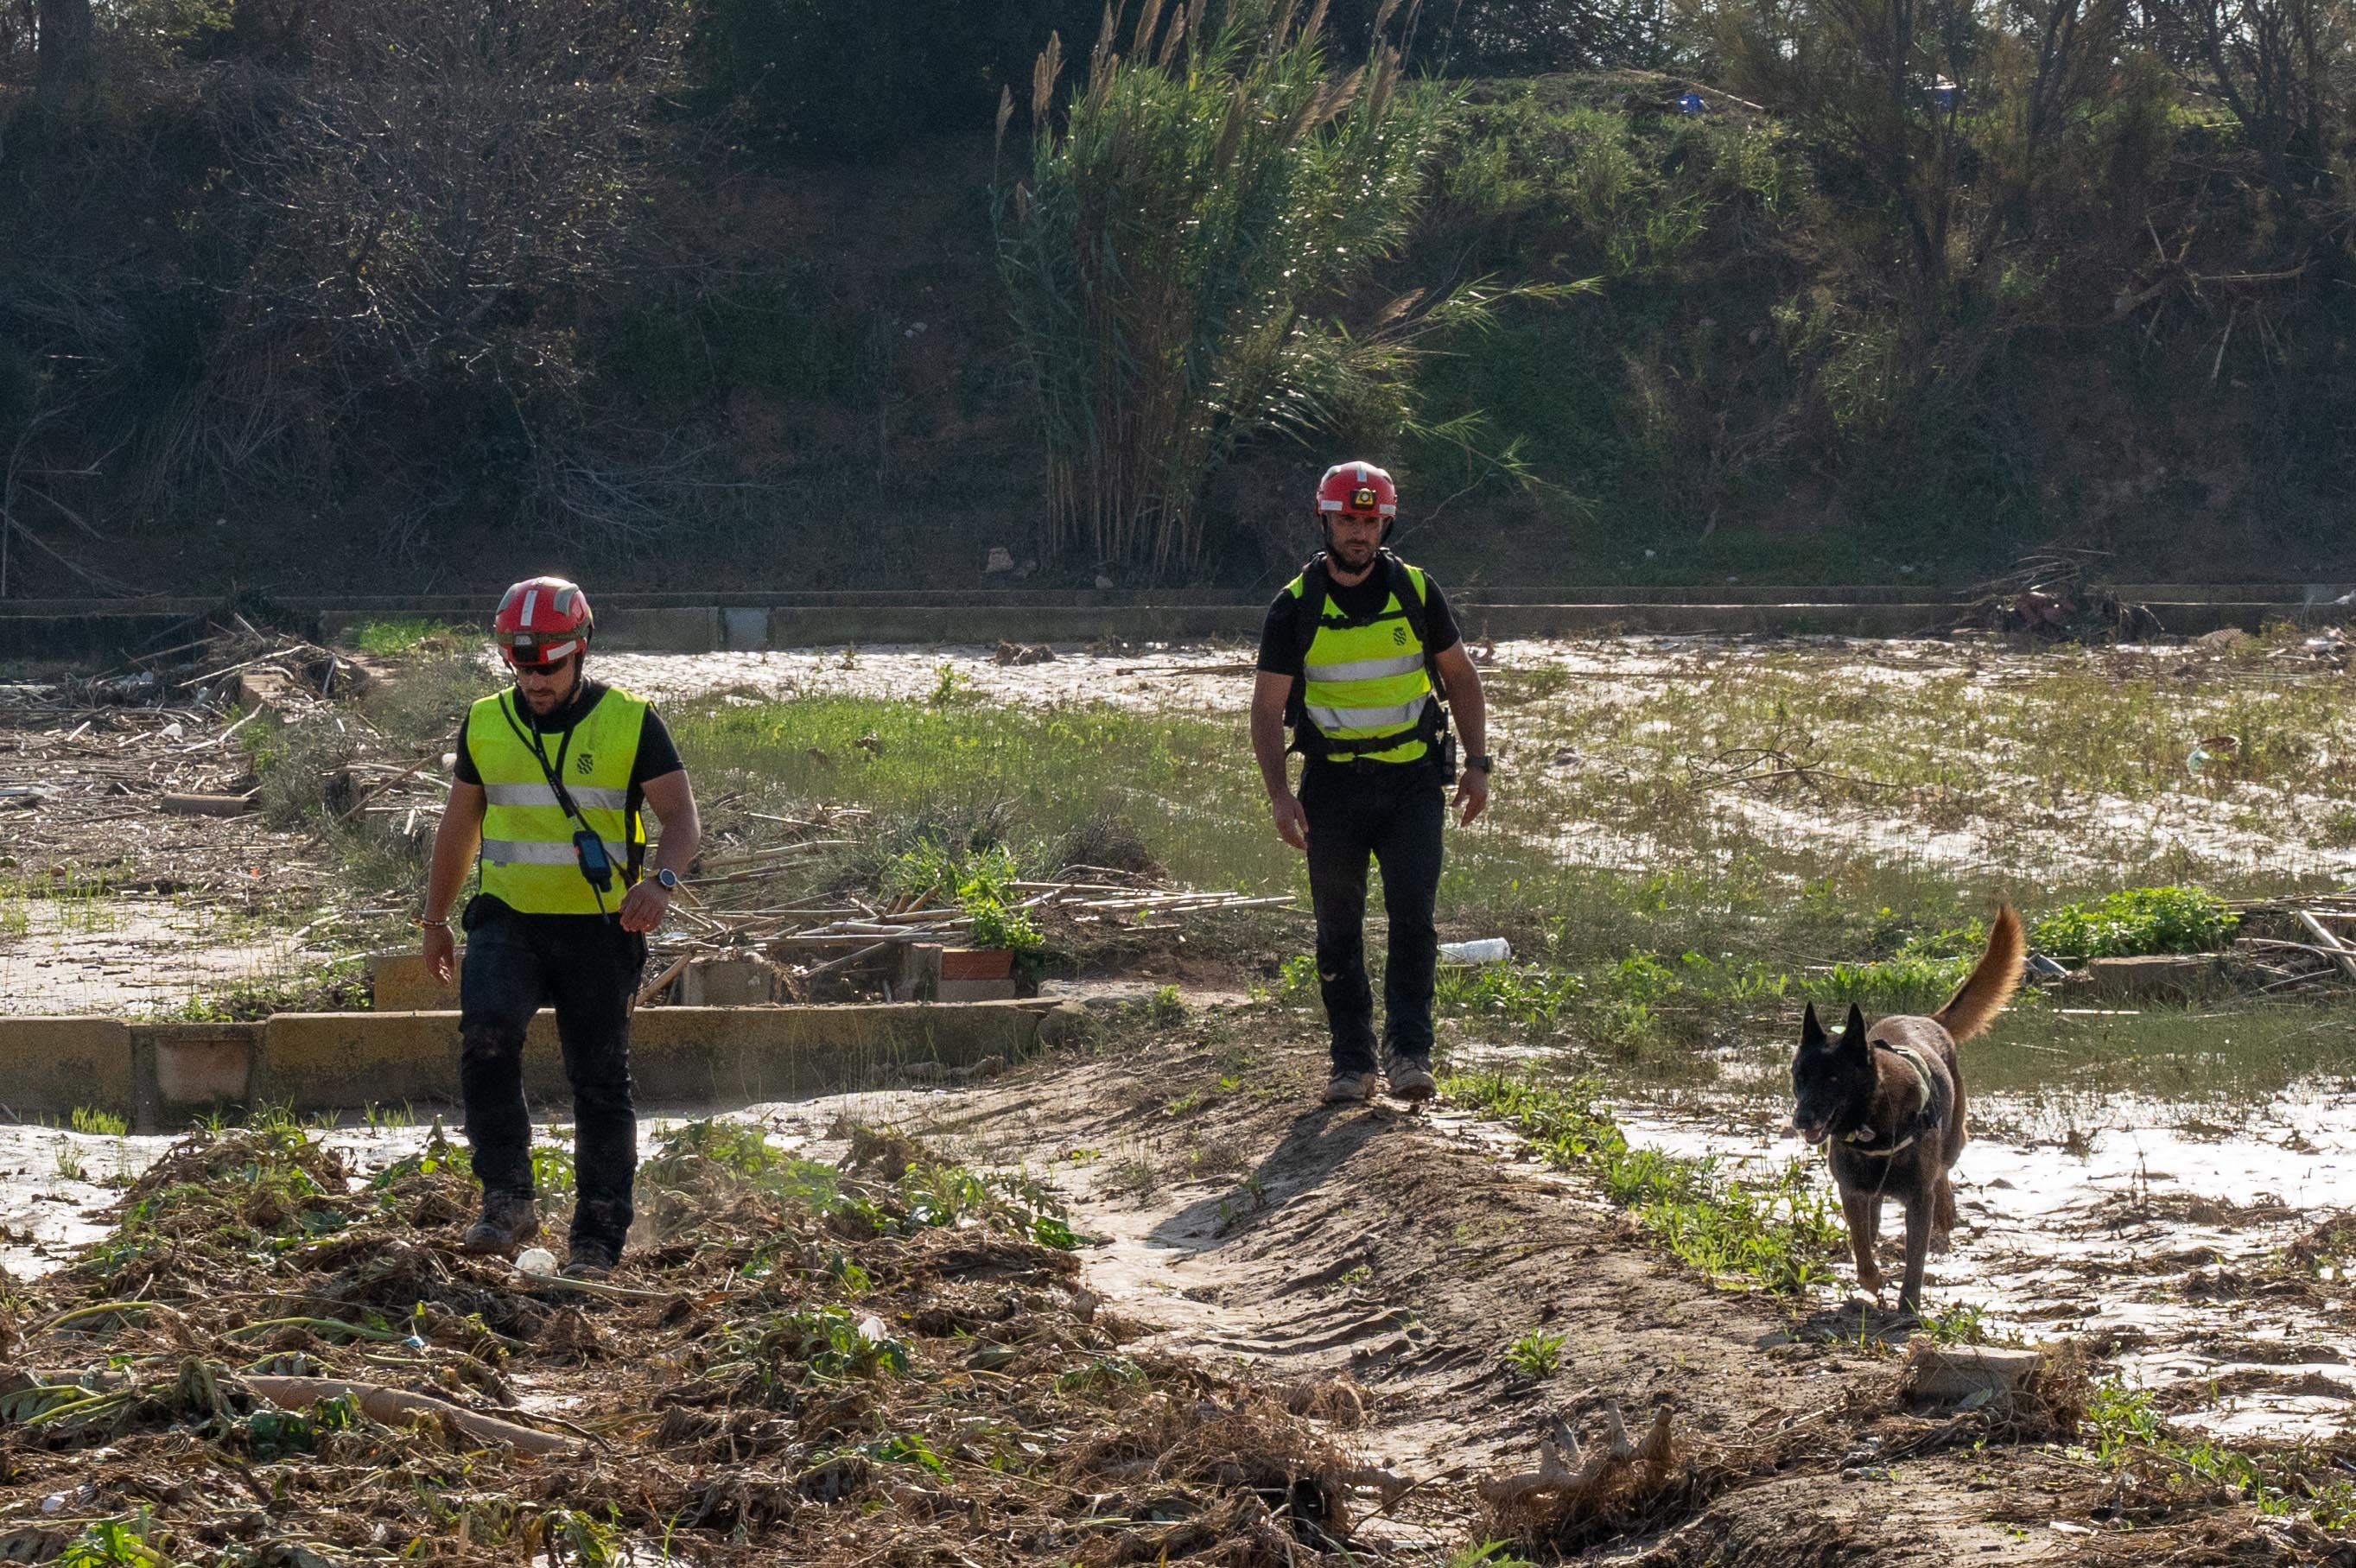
{"points": [[527, 667]]}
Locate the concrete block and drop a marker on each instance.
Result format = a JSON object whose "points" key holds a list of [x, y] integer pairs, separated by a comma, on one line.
{"points": [[976, 963], [179, 1069], [1954, 1373], [399, 982], [317, 1061], [974, 990], [687, 1057], [745, 630], [706, 1056], [2159, 977], [727, 982], [920, 972], [682, 630], [50, 1065]]}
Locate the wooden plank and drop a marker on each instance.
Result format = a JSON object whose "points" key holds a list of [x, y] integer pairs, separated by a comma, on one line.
{"points": [[2330, 943]]}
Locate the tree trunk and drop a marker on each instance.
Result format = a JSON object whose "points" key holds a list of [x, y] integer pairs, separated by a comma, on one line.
{"points": [[67, 71]]}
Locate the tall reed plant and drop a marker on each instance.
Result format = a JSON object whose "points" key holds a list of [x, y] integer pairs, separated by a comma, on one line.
{"points": [[1187, 215]]}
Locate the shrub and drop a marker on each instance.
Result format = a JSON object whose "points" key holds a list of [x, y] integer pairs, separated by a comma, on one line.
{"points": [[2138, 920]]}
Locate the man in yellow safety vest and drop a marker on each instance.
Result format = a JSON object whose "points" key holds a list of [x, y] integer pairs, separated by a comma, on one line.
{"points": [[1356, 655], [551, 781]]}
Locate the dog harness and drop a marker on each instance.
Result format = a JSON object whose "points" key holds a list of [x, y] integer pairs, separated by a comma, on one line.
{"points": [[1933, 1114]]}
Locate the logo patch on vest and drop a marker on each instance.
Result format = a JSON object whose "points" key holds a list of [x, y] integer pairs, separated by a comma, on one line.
{"points": [[1398, 636], [584, 764]]}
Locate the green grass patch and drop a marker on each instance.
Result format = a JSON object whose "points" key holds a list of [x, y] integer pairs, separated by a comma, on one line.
{"points": [[1784, 1237], [403, 637]]}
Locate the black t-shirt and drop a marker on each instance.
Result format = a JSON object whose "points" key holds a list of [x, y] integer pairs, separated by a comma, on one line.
{"points": [[657, 753], [1280, 645]]}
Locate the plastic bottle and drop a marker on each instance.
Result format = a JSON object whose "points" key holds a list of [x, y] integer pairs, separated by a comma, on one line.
{"points": [[1488, 949]]}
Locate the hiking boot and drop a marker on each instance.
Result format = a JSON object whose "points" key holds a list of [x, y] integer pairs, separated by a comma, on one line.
{"points": [[510, 1219], [1348, 1088], [1409, 1078], [589, 1260]]}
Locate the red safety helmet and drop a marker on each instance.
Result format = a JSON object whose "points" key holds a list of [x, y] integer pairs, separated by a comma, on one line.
{"points": [[542, 620], [1360, 490]]}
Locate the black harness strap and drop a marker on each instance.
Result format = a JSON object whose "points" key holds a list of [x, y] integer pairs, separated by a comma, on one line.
{"points": [[1928, 1119]]}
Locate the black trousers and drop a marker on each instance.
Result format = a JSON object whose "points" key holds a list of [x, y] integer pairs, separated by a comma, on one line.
{"points": [[587, 967], [1393, 812]]}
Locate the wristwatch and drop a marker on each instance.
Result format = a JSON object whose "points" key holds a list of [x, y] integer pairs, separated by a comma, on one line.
{"points": [[667, 879], [1485, 762]]}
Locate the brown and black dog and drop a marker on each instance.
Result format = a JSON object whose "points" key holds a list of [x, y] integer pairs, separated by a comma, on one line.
{"points": [[1891, 1101]]}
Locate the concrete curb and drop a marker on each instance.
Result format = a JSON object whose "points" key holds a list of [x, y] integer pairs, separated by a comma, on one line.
{"points": [[160, 1074]]}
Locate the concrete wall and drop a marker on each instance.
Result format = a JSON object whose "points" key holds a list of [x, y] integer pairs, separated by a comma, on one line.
{"points": [[50, 1065], [162, 1074], [64, 629]]}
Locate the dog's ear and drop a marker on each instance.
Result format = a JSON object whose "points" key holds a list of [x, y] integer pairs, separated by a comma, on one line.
{"points": [[1853, 1032], [1812, 1033]]}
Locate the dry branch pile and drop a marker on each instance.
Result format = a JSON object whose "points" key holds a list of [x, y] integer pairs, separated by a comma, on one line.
{"points": [[277, 1356]]}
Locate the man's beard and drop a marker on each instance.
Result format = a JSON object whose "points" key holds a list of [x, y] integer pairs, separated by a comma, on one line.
{"points": [[1354, 554]]}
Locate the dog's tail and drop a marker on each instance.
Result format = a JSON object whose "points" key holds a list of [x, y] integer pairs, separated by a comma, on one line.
{"points": [[1993, 979]]}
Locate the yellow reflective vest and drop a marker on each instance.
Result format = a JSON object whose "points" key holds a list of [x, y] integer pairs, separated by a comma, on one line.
{"points": [[1366, 688], [528, 860]]}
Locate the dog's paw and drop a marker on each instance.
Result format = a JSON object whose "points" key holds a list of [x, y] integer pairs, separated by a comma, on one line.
{"points": [[1942, 1244]]}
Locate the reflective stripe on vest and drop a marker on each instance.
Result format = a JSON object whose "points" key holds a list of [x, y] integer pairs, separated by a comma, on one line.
{"points": [[1370, 681], [584, 796], [528, 852], [528, 858]]}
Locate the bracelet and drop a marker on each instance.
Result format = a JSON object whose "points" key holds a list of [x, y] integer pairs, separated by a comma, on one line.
{"points": [[437, 925]]}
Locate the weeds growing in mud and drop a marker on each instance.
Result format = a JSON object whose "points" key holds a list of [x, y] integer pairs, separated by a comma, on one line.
{"points": [[1537, 1355], [1784, 1238], [2123, 1428]]}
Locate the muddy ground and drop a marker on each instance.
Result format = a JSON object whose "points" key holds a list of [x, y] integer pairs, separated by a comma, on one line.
{"points": [[1278, 1336]]}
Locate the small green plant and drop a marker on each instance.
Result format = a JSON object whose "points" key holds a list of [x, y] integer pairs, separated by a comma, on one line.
{"points": [[1535, 1355], [70, 1165], [949, 688], [1488, 1555], [1166, 1006], [89, 1119], [1103, 1372], [2138, 921], [551, 1172], [1963, 1322]]}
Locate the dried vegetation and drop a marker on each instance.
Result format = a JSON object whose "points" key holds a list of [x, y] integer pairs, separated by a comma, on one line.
{"points": [[274, 1359]]}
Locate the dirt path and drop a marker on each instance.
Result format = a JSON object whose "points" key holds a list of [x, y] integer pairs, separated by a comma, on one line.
{"points": [[1240, 1221]]}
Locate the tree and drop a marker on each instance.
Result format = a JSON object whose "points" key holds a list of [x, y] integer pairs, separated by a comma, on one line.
{"points": [[448, 186], [1177, 258], [67, 73]]}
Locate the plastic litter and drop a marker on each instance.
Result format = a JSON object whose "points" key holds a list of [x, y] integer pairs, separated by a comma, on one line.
{"points": [[1487, 950], [535, 1260]]}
